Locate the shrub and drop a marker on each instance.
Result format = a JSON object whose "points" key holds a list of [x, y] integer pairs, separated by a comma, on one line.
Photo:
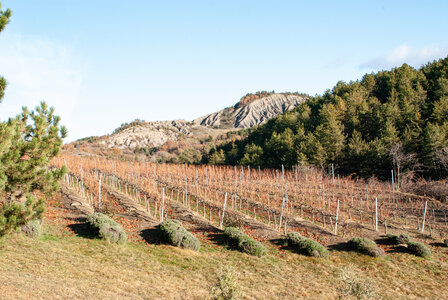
{"points": [[365, 246], [445, 242], [306, 245], [402, 239], [106, 228], [419, 249], [243, 242], [233, 233], [293, 238], [252, 247], [32, 229], [352, 284], [175, 234], [226, 286]]}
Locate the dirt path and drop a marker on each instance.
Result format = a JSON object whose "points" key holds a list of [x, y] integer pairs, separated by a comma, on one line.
{"points": [[131, 209]]}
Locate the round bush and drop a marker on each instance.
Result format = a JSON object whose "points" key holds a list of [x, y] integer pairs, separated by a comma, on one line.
{"points": [[244, 243], [252, 247], [306, 245], [175, 234], [293, 238], [402, 239], [419, 249], [32, 229], [106, 228], [234, 233], [365, 246]]}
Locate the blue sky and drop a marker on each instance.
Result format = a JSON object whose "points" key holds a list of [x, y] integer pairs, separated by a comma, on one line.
{"points": [[102, 63]]}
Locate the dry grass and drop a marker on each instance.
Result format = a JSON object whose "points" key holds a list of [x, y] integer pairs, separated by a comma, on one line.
{"points": [[57, 266]]}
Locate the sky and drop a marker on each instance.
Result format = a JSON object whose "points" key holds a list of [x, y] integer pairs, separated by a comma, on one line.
{"points": [[102, 63]]}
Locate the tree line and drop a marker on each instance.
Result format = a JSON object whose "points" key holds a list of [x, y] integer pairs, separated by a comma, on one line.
{"points": [[396, 119]]}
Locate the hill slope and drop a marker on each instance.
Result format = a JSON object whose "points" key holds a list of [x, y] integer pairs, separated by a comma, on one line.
{"points": [[64, 263], [184, 141]]}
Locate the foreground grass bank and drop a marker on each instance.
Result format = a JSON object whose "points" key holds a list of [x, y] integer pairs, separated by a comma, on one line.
{"points": [[61, 266]]}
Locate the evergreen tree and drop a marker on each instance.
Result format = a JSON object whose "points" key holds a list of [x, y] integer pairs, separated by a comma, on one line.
{"points": [[331, 132], [280, 149], [27, 144], [218, 157], [4, 19], [252, 156], [356, 152]]}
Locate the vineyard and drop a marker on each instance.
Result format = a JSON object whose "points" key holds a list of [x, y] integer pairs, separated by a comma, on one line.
{"points": [[280, 199]]}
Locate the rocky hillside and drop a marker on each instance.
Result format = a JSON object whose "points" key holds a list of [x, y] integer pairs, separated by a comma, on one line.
{"points": [[251, 113], [153, 134]]}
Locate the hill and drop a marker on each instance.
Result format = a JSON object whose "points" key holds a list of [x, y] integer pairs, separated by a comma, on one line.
{"points": [[184, 141]]}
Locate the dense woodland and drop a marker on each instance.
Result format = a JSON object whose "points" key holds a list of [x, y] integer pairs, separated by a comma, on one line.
{"points": [[395, 119]]}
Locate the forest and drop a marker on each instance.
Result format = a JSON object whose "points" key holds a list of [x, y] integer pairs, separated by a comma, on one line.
{"points": [[392, 120]]}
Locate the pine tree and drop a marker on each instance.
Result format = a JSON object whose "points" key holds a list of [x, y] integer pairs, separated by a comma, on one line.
{"points": [[331, 132], [218, 157], [280, 149], [4, 19], [27, 144], [252, 156]]}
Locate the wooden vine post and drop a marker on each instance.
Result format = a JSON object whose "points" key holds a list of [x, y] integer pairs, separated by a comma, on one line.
{"points": [[99, 193], [376, 214], [163, 205], [424, 216], [223, 211], [337, 217]]}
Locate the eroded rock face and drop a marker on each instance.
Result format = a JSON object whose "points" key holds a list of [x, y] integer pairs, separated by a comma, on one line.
{"points": [[150, 134], [254, 113]]}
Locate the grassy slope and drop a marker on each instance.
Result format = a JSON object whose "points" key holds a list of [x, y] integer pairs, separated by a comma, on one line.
{"points": [[61, 265]]}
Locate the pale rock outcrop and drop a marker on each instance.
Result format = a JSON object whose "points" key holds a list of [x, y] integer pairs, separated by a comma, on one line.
{"points": [[254, 113]]}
